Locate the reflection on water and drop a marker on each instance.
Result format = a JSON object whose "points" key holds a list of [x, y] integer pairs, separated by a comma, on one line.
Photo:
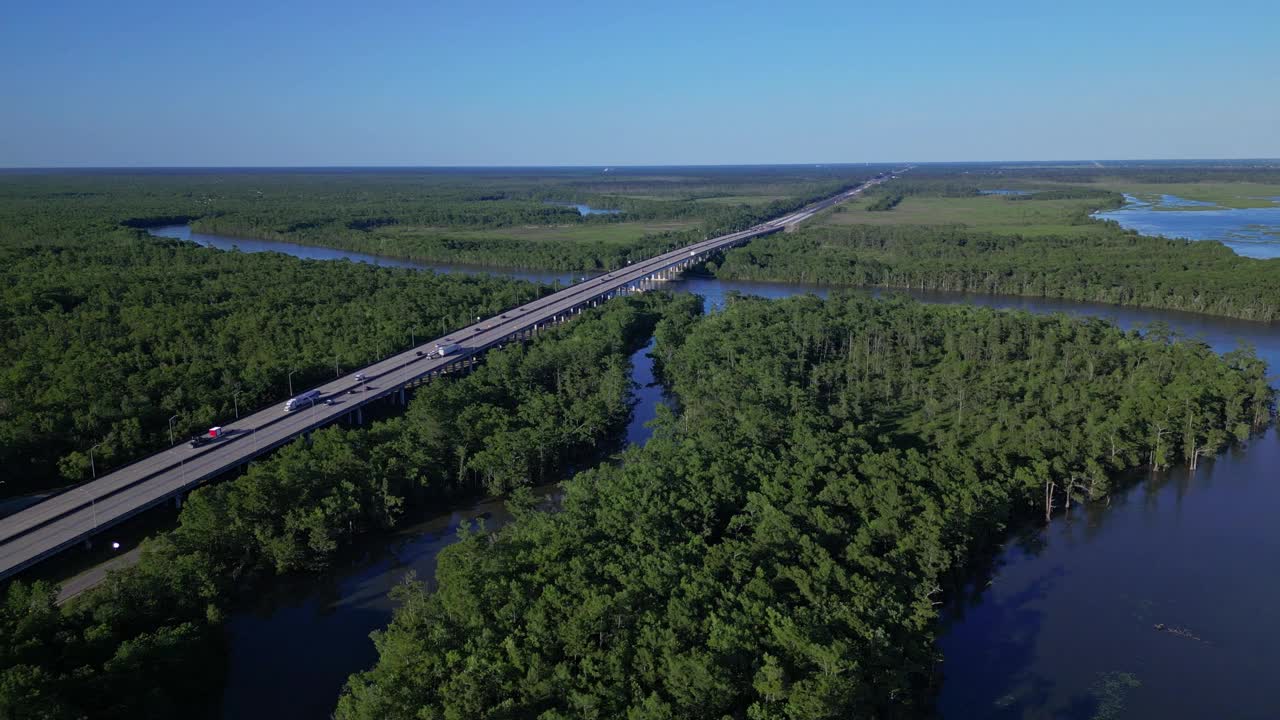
{"points": [[648, 394], [585, 210], [1172, 583], [1251, 232], [291, 654]]}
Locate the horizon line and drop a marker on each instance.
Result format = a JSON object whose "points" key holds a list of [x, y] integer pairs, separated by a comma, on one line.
{"points": [[1089, 162]]}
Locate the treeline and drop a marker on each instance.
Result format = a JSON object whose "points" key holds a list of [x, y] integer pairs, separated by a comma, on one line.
{"points": [[885, 201], [104, 342], [779, 550], [443, 246], [1179, 171], [1163, 173], [1112, 199], [936, 184], [437, 240], [316, 206], [1109, 266], [148, 642], [922, 182]]}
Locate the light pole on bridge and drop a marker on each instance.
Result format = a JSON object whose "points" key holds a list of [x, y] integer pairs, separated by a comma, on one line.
{"points": [[92, 469], [291, 372], [175, 417], [235, 398]]}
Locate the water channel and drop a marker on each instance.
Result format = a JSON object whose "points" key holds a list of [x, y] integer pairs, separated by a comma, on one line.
{"points": [[585, 210], [1251, 232], [1067, 617]]}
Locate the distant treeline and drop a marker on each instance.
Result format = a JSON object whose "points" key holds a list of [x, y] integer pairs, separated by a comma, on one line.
{"points": [[1267, 172], [411, 213], [885, 201], [1110, 266], [914, 184], [1112, 199], [425, 233]]}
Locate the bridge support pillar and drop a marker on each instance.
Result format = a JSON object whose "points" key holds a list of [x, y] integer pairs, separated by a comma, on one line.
{"points": [[402, 397], [359, 416], [88, 543], [177, 501]]}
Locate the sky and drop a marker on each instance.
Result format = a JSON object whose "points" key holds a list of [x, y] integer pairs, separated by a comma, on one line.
{"points": [[429, 83]]}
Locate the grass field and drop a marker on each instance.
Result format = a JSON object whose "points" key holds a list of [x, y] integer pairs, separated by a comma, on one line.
{"points": [[620, 233], [990, 213], [1225, 194]]}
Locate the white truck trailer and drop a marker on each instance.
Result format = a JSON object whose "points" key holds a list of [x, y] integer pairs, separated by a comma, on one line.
{"points": [[306, 399]]}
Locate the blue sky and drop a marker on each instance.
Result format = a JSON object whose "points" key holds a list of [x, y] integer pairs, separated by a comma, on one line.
{"points": [[597, 83]]}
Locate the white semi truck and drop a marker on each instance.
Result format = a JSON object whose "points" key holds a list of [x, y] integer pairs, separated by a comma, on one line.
{"points": [[306, 399], [448, 349]]}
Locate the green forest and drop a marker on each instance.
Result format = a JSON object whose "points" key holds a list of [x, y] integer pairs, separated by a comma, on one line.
{"points": [[105, 342], [779, 548], [1108, 266], [109, 332], [148, 642]]}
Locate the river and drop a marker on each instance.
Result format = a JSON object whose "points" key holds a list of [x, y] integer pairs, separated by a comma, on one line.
{"points": [[291, 653], [1066, 618]]}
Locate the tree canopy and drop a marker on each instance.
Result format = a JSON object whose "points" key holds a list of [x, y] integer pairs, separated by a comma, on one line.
{"points": [[778, 549]]}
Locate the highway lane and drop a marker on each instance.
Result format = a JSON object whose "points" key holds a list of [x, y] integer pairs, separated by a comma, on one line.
{"points": [[70, 517]]}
